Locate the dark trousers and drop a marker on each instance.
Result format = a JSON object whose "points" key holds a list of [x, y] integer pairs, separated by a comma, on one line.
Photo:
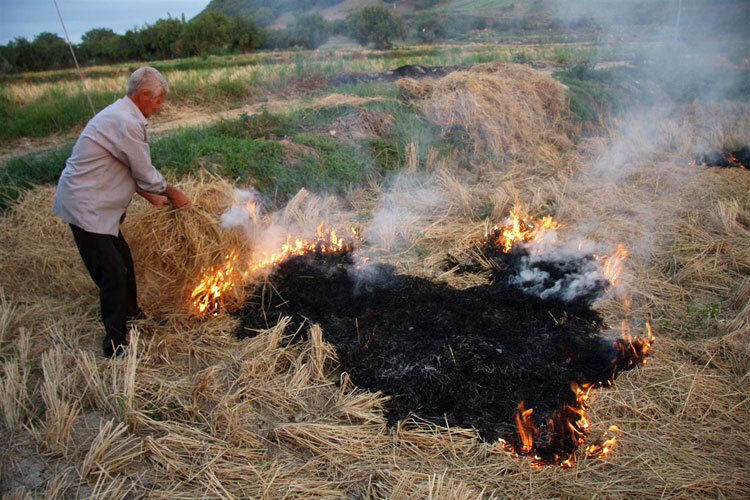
{"points": [[108, 261]]}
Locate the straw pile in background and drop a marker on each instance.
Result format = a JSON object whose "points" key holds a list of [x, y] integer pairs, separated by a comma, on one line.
{"points": [[503, 107]]}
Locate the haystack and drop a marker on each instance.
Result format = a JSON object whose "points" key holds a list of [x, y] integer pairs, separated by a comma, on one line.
{"points": [[504, 108]]}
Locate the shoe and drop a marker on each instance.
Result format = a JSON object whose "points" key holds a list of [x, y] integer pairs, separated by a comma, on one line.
{"points": [[113, 348], [148, 323]]}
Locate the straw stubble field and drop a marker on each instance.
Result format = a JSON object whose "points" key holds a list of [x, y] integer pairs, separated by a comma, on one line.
{"points": [[194, 412]]}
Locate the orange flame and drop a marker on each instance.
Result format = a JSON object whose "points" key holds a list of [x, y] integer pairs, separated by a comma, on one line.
{"points": [[519, 229], [603, 448], [612, 265], [208, 295], [525, 427], [570, 423]]}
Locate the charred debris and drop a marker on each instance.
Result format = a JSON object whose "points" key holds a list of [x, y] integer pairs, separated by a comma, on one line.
{"points": [[416, 71], [472, 357], [737, 158]]}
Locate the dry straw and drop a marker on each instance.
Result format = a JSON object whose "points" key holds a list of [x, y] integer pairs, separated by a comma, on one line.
{"points": [[265, 417], [503, 107], [171, 247]]}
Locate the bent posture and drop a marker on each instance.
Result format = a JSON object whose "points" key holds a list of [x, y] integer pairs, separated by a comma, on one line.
{"points": [[111, 161]]}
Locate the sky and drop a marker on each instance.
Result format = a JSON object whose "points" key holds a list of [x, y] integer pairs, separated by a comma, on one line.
{"points": [[28, 18]]}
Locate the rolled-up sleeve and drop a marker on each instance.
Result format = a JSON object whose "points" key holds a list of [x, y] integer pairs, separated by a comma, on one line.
{"points": [[134, 152]]}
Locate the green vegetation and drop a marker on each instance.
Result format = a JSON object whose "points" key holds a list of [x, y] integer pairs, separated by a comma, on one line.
{"points": [[310, 30], [698, 321], [376, 24], [21, 173], [594, 95], [48, 114], [276, 153]]}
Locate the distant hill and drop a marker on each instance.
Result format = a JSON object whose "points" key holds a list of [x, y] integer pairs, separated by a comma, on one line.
{"points": [[279, 12], [702, 15]]}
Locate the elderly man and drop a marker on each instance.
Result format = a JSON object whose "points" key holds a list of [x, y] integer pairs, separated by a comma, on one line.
{"points": [[110, 162]]}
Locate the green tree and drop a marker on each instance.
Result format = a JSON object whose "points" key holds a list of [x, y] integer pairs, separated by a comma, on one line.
{"points": [[244, 34], [428, 27], [128, 46], [311, 30], [277, 39], [206, 32], [99, 44], [15, 50], [377, 25], [159, 39], [47, 51]]}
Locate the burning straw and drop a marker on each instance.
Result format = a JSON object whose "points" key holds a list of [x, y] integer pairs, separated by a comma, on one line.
{"points": [[172, 247]]}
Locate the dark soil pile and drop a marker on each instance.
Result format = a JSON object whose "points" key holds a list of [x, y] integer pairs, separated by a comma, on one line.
{"points": [[467, 357], [415, 71]]}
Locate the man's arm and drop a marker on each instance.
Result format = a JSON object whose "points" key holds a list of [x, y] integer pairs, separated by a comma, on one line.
{"points": [[171, 195], [153, 198]]}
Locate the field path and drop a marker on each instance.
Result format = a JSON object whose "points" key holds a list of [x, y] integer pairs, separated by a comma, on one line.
{"points": [[187, 117]]}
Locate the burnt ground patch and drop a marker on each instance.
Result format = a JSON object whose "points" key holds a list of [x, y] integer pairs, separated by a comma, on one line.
{"points": [[736, 158], [467, 357], [415, 71]]}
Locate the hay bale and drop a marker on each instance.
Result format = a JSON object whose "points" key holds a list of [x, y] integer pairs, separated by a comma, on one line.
{"points": [[504, 108], [411, 89]]}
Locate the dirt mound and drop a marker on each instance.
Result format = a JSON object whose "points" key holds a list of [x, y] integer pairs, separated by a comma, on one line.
{"points": [[363, 123], [406, 71]]}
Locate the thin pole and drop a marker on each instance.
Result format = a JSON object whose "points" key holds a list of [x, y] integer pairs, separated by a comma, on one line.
{"points": [[80, 73], [677, 22]]}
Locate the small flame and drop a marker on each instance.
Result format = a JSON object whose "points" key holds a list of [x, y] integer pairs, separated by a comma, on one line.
{"points": [[568, 427], [208, 296], [520, 229], [612, 265], [603, 448], [254, 210], [525, 427]]}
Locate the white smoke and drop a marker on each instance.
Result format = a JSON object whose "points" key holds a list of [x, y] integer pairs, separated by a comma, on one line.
{"points": [[577, 273], [403, 211], [245, 212]]}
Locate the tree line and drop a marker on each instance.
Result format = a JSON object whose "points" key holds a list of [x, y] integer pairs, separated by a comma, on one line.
{"points": [[214, 32]]}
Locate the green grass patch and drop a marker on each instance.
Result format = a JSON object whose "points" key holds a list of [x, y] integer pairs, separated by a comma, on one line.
{"points": [[388, 155], [269, 165], [276, 153], [595, 95], [51, 113], [19, 174], [697, 321]]}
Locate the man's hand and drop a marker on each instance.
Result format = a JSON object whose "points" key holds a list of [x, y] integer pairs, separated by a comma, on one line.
{"points": [[176, 197], [153, 198]]}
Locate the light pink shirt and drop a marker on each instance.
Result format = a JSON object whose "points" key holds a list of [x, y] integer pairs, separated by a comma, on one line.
{"points": [[109, 160]]}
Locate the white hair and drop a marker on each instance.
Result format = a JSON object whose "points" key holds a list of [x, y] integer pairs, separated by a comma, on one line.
{"points": [[147, 78]]}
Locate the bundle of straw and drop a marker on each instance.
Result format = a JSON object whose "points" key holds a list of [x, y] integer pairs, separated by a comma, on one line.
{"points": [[171, 247]]}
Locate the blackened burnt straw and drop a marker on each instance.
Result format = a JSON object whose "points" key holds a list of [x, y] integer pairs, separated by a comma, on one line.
{"points": [[505, 358]]}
